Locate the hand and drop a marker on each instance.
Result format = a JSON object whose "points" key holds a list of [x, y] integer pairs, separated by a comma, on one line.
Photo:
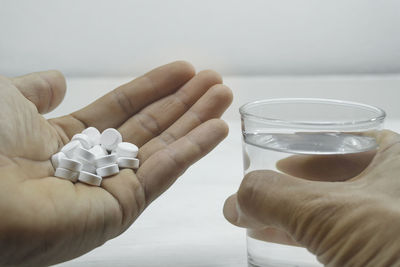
{"points": [[170, 113], [350, 223]]}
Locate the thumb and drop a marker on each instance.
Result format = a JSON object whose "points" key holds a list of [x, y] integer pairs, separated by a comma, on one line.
{"points": [[45, 89], [268, 198]]}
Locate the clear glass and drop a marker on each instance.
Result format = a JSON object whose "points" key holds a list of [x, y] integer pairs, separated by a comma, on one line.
{"points": [[279, 132]]}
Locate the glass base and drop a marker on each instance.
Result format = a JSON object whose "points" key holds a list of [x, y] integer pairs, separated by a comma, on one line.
{"points": [[266, 254]]}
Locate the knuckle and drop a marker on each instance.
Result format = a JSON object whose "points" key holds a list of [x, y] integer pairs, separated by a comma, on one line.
{"points": [[123, 101], [148, 122], [181, 99], [314, 216], [167, 137]]}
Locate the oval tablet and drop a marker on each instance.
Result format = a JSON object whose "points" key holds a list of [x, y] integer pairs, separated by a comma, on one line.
{"points": [[126, 149], [89, 178], [66, 174], [93, 134], [85, 154], [108, 170], [82, 160], [110, 138], [83, 139], [70, 148], [98, 151], [130, 163], [89, 168], [106, 160], [55, 159], [70, 164]]}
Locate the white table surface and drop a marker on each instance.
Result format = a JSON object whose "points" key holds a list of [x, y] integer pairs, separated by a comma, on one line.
{"points": [[185, 226]]}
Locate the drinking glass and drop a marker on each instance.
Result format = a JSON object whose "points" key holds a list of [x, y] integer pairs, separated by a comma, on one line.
{"points": [[301, 137]]}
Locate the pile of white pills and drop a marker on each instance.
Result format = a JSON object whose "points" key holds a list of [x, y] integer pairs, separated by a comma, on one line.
{"points": [[90, 156]]}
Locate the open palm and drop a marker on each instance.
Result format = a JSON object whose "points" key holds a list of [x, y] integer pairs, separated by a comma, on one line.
{"points": [[170, 113]]}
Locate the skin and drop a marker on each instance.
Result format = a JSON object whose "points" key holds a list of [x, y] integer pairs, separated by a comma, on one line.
{"points": [[345, 223], [171, 113]]}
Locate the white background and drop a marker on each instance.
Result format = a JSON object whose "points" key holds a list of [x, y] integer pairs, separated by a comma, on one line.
{"points": [[235, 37], [346, 49]]}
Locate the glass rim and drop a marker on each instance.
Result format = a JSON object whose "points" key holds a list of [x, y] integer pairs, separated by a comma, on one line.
{"points": [[380, 113]]}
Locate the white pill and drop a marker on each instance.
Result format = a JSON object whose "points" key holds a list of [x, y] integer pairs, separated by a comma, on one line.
{"points": [[70, 164], [93, 134], [83, 139], [130, 163], [89, 168], [106, 160], [84, 153], [126, 149], [89, 178], [110, 138], [70, 148], [66, 174], [55, 159], [108, 170], [98, 151], [82, 160], [86, 165]]}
